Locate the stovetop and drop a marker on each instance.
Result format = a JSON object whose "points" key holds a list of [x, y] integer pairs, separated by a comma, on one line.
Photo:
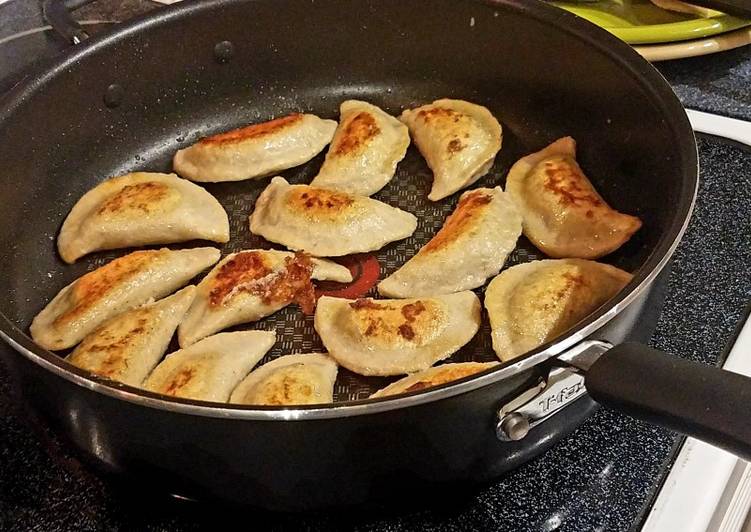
{"points": [[603, 477]]}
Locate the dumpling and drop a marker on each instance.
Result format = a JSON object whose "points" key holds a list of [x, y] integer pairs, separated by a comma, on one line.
{"points": [[119, 285], [257, 150], [434, 376], [127, 347], [289, 380], [471, 246], [210, 369], [326, 223], [365, 150], [563, 215], [396, 336], [249, 285], [141, 209], [459, 141], [532, 303]]}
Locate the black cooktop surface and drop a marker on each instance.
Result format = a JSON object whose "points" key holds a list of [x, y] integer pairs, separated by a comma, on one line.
{"points": [[602, 477]]}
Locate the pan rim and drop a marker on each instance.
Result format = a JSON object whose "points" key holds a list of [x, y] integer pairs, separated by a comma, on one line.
{"points": [[617, 51]]}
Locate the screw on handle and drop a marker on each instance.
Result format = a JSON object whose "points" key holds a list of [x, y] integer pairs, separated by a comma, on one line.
{"points": [[57, 14], [702, 401], [512, 427]]}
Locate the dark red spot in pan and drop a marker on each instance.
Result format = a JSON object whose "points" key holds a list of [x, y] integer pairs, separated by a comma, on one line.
{"points": [[365, 271]]}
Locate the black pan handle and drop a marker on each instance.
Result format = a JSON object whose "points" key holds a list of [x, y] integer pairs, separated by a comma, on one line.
{"points": [[701, 401], [57, 14], [738, 8]]}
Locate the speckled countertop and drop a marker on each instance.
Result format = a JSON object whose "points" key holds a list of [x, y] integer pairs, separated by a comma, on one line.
{"points": [[600, 478]]}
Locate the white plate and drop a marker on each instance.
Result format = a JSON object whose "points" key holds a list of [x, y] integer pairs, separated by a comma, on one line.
{"points": [[709, 45]]}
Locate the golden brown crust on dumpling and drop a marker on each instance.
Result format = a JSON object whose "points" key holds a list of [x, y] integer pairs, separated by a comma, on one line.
{"points": [[250, 284], [451, 123], [532, 303], [434, 376], [127, 347], [179, 382], [243, 268], [367, 146], [472, 246], [242, 271], [459, 140], [466, 214], [114, 347], [289, 380], [391, 324], [141, 208], [326, 223], [111, 348], [290, 389], [393, 337], [254, 151], [564, 216], [253, 131], [358, 131], [210, 369], [140, 199], [318, 203], [120, 285], [94, 286], [565, 180]]}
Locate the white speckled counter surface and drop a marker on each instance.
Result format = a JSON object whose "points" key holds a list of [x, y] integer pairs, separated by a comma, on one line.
{"points": [[602, 477]]}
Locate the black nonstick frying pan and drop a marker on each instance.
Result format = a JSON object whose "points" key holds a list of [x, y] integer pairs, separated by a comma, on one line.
{"points": [[127, 99]]}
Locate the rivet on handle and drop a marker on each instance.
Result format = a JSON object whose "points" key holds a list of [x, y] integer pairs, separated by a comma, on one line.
{"points": [[512, 427]]}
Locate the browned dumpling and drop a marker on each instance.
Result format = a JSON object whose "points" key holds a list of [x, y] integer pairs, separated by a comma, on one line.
{"points": [[532, 303], [365, 150], [257, 150], [210, 369], [289, 380], [458, 139], [396, 336], [140, 209], [119, 285], [251, 284], [563, 215], [326, 223], [127, 347], [471, 246], [434, 376]]}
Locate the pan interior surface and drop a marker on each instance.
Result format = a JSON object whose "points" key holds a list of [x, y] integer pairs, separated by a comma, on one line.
{"points": [[63, 133]]}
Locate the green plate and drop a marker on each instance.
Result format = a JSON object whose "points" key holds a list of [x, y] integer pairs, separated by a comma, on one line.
{"points": [[641, 22]]}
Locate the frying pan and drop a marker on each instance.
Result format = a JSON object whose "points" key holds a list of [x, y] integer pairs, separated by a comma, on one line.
{"points": [[128, 98]]}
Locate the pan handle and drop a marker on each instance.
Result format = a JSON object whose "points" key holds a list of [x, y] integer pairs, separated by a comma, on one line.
{"points": [[702, 401], [57, 14]]}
